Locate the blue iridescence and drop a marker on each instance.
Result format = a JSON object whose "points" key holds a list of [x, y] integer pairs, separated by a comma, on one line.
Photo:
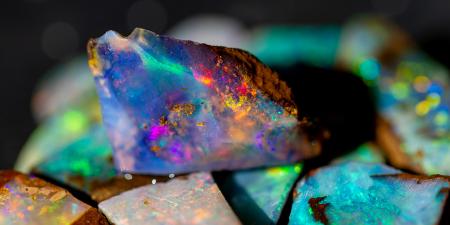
{"points": [[351, 193], [174, 106]]}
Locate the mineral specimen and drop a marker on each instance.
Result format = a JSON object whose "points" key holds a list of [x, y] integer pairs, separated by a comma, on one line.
{"points": [[87, 165], [54, 133], [358, 193], [30, 200], [174, 106], [195, 199], [259, 195], [412, 89], [66, 105]]}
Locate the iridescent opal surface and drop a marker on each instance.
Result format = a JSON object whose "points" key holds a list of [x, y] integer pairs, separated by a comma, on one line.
{"points": [[413, 90], [194, 199], [359, 193], [174, 106], [255, 191], [30, 200]]}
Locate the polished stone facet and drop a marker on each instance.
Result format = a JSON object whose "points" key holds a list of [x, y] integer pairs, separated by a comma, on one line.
{"points": [[174, 106], [30, 200], [358, 193], [259, 195], [194, 199]]}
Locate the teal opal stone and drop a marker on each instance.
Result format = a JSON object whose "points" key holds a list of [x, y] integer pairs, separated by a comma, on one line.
{"points": [[172, 106], [358, 193]]}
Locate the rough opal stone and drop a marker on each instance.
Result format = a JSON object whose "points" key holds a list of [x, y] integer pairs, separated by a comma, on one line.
{"points": [[359, 193], [30, 200], [66, 106], [194, 199], [412, 90], [173, 106]]}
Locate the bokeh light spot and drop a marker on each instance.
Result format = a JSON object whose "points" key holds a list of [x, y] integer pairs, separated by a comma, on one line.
{"points": [[369, 69], [400, 90]]}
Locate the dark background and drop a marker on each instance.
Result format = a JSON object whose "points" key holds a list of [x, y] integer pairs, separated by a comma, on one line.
{"points": [[38, 34]]}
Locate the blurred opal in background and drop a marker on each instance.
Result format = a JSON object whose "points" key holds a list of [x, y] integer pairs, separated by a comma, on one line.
{"points": [[285, 46], [66, 105], [412, 90]]}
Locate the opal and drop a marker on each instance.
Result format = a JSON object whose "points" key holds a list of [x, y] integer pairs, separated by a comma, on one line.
{"points": [[412, 89], [87, 165], [194, 199], [173, 106], [65, 103], [259, 195], [56, 132], [66, 106], [364, 193], [30, 200]]}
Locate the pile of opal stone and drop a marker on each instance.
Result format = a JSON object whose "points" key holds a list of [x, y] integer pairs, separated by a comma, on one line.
{"points": [[179, 132]]}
